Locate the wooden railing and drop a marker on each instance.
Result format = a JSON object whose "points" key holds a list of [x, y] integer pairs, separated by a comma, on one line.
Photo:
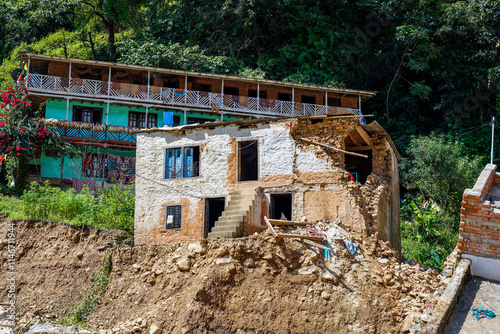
{"points": [[183, 98], [93, 131]]}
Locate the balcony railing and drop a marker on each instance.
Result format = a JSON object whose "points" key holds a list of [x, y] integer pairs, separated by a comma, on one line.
{"points": [[183, 98], [93, 131]]}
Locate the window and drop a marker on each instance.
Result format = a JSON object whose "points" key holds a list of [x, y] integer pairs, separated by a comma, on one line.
{"points": [[231, 91], [87, 115], [138, 120], [173, 217], [253, 93], [198, 120], [95, 165], [284, 97], [182, 162], [177, 121], [308, 99], [334, 102]]}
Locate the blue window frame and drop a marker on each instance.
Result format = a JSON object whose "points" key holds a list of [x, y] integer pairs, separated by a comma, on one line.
{"points": [[182, 162]]}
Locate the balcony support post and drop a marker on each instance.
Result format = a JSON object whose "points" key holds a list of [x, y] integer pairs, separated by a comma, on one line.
{"points": [[222, 92], [185, 88], [258, 96], [293, 101], [109, 80], [359, 103], [28, 70], [69, 78], [185, 117], [67, 109], [147, 123], [103, 166], [107, 113], [326, 103], [149, 78]]}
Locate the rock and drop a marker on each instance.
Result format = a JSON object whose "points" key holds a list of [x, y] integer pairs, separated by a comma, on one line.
{"points": [[184, 264], [223, 260], [383, 261], [267, 256], [308, 270], [325, 295], [327, 276], [154, 329], [425, 317], [197, 248], [47, 328]]}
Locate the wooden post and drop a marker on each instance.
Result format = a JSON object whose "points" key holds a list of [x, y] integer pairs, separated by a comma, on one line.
{"points": [[107, 113], [67, 109], [103, 166], [185, 88], [28, 70], [334, 148], [147, 123], [258, 96], [293, 100], [62, 167], [185, 117], [109, 80], [326, 103], [359, 103], [69, 77], [149, 80]]}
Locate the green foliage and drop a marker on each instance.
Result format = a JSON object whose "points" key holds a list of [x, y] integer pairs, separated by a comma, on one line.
{"points": [[81, 310], [426, 237], [424, 221], [436, 168], [109, 208]]}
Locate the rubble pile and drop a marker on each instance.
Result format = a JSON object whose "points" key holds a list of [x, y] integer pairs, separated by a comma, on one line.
{"points": [[245, 285]]}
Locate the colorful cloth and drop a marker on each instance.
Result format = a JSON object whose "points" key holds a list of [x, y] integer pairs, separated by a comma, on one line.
{"points": [[121, 169], [78, 185], [481, 312]]}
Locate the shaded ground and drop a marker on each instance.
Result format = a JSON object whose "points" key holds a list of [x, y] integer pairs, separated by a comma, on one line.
{"points": [[478, 292]]}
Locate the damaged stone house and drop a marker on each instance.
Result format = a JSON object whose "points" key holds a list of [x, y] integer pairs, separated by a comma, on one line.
{"points": [[220, 179]]}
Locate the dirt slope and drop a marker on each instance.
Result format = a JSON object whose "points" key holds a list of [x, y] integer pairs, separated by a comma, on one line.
{"points": [[247, 285]]}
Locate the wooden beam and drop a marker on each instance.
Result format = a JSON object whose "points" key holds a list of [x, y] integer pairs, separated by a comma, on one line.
{"points": [[353, 139], [363, 148], [270, 227], [364, 135], [309, 237], [279, 222], [315, 244], [334, 148]]}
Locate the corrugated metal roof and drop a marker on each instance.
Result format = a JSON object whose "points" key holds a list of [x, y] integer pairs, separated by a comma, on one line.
{"points": [[364, 94]]}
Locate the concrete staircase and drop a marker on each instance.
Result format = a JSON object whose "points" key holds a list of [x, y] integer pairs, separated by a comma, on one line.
{"points": [[232, 222]]}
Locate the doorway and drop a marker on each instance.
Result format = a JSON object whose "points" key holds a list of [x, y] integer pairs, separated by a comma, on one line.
{"points": [[359, 167], [214, 207], [281, 205], [248, 160]]}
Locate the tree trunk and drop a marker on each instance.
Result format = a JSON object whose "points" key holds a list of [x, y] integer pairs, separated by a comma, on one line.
{"points": [[111, 41], [22, 172]]}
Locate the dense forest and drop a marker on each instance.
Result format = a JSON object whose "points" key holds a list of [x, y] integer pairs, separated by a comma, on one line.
{"points": [[434, 63]]}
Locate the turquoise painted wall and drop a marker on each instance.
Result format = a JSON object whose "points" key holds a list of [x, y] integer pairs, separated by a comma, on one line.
{"points": [[51, 167], [118, 115]]}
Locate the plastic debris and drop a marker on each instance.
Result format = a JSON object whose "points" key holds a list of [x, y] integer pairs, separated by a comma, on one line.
{"points": [[351, 248], [481, 312]]}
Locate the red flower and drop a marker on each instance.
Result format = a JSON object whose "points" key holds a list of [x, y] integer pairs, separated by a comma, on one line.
{"points": [[18, 153], [18, 148]]}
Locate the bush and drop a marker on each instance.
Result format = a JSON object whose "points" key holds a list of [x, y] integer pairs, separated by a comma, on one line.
{"points": [[109, 208]]}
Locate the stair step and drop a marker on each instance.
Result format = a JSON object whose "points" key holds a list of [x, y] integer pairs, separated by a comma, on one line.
{"points": [[231, 228], [228, 223], [217, 235]]}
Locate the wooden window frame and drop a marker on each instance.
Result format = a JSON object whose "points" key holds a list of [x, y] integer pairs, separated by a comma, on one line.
{"points": [[87, 114], [182, 173], [176, 212], [152, 121]]}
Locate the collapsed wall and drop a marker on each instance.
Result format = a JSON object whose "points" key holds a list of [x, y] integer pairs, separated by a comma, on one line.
{"points": [[307, 160]]}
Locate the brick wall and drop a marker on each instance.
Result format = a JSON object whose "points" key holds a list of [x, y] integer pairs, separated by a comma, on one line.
{"points": [[479, 220]]}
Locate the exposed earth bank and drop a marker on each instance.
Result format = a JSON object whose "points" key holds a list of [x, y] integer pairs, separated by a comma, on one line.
{"points": [[245, 285]]}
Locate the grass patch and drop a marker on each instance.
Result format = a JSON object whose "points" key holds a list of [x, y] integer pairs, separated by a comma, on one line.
{"points": [[107, 208], [81, 310]]}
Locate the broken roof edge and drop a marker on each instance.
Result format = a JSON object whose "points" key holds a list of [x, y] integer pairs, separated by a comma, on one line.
{"points": [[376, 128], [363, 93], [372, 128], [240, 122]]}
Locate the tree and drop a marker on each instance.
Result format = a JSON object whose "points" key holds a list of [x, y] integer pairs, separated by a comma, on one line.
{"points": [[437, 169], [23, 132]]}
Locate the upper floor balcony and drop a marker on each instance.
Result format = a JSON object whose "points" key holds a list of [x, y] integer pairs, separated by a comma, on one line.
{"points": [[251, 106], [65, 78]]}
